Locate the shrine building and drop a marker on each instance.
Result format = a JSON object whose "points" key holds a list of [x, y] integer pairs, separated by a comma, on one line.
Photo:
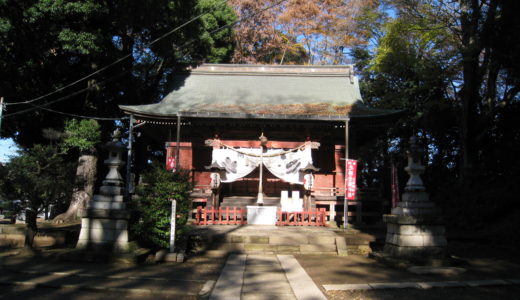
{"points": [[262, 134]]}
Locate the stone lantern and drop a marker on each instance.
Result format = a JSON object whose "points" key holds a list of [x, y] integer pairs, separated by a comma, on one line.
{"points": [[216, 175], [104, 225], [308, 183], [415, 228]]}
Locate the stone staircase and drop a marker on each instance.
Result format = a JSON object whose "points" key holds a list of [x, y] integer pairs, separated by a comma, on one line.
{"points": [[254, 239], [251, 239]]}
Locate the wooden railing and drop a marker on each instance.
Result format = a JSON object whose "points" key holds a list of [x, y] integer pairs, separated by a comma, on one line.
{"points": [[303, 218], [220, 216], [238, 216]]}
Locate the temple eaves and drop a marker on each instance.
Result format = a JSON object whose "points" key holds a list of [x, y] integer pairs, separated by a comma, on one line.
{"points": [[324, 93]]}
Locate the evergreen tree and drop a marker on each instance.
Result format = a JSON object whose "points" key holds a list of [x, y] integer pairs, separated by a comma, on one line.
{"points": [[46, 45]]}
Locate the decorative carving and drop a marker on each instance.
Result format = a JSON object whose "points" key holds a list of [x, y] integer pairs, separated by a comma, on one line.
{"points": [[263, 140]]}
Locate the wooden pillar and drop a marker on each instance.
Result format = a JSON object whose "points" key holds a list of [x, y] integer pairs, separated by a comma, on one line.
{"points": [[345, 204], [178, 143]]}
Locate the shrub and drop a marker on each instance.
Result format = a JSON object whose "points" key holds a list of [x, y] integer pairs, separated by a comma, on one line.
{"points": [[150, 223]]}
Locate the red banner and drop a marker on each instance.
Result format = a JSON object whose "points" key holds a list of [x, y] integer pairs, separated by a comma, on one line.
{"points": [[170, 163], [350, 179]]}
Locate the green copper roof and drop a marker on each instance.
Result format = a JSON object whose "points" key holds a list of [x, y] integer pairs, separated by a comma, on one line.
{"points": [[259, 91]]}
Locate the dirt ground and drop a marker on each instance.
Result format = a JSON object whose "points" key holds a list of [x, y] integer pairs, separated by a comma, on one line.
{"points": [[476, 293], [483, 259]]}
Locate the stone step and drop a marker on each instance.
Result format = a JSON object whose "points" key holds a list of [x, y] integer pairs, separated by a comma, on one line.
{"points": [[285, 239], [351, 250], [288, 243], [292, 239], [273, 248]]}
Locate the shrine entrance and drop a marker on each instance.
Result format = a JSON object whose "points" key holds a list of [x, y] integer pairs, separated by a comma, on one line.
{"points": [[248, 185], [293, 105]]}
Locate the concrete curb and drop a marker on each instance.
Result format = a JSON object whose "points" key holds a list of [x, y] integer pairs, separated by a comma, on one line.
{"points": [[301, 283], [420, 285], [230, 281]]}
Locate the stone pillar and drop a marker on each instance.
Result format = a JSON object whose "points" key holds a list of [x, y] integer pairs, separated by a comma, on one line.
{"points": [[104, 224], [415, 228]]}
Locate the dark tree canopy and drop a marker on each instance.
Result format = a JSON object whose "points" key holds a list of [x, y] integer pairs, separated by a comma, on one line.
{"points": [[447, 64], [46, 45]]}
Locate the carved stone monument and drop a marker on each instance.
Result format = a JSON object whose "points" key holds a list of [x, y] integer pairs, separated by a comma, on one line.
{"points": [[415, 227], [104, 225]]}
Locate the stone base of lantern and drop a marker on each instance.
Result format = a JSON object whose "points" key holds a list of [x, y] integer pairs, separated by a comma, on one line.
{"points": [[104, 225], [415, 236], [415, 227], [104, 230]]}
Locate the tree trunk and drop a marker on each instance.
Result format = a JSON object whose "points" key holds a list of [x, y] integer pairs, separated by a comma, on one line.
{"points": [[30, 229], [470, 91], [84, 190]]}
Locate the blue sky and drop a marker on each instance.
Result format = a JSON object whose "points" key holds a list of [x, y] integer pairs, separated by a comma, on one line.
{"points": [[7, 148]]}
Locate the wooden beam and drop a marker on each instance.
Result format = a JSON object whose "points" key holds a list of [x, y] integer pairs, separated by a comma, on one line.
{"points": [[256, 144]]}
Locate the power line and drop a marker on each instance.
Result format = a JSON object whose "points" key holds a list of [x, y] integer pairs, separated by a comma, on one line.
{"points": [[48, 103], [35, 107], [117, 61], [81, 116]]}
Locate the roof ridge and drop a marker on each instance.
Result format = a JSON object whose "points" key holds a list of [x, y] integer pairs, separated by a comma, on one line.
{"points": [[345, 70]]}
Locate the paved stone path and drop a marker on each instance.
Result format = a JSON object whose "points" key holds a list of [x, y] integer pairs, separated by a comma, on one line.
{"points": [[258, 277]]}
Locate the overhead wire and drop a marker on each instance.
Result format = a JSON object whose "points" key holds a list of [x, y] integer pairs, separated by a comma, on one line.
{"points": [[117, 61], [82, 116], [35, 107]]}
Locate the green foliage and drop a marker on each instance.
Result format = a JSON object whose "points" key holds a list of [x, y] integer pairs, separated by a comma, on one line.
{"points": [[84, 134], [410, 70], [220, 44], [39, 177], [80, 42], [151, 212], [48, 44], [444, 65]]}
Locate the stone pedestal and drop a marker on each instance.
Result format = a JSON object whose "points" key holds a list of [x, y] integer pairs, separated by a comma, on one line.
{"points": [[415, 236], [415, 227], [104, 224]]}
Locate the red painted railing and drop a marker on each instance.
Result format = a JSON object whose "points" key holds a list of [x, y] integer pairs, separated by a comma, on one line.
{"points": [[303, 218], [220, 216], [238, 216]]}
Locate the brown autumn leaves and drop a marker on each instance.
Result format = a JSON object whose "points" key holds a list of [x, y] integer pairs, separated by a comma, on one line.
{"points": [[297, 31]]}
